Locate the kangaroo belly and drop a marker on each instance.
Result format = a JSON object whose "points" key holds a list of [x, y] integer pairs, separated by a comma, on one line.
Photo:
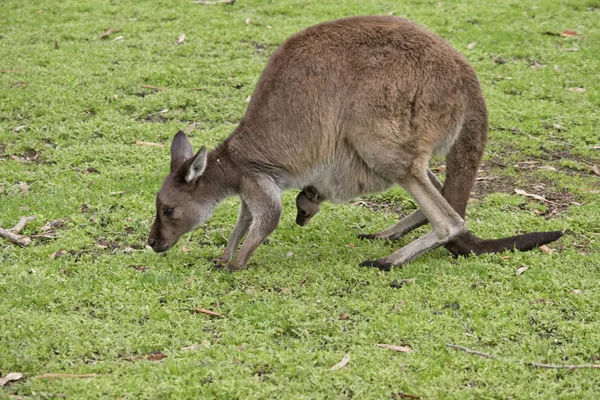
{"points": [[340, 180]]}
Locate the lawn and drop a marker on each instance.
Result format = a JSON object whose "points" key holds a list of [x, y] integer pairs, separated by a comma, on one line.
{"points": [[91, 94]]}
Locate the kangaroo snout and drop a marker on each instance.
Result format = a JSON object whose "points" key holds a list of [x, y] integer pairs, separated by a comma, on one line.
{"points": [[158, 244]]}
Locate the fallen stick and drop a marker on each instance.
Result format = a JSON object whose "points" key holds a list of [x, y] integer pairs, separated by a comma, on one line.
{"points": [[60, 376], [12, 234], [154, 87], [22, 223], [529, 363], [212, 3]]}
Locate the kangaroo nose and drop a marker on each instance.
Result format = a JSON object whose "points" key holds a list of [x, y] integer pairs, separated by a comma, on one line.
{"points": [[151, 241]]}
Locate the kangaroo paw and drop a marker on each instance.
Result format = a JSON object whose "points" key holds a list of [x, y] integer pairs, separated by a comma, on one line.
{"points": [[380, 264], [219, 263]]}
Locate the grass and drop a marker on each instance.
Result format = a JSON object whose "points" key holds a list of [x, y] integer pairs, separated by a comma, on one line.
{"points": [[80, 103]]}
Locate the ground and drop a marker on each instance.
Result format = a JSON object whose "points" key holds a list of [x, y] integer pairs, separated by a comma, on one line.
{"points": [[87, 297]]}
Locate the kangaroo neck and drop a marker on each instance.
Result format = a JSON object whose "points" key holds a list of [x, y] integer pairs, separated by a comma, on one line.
{"points": [[222, 173]]}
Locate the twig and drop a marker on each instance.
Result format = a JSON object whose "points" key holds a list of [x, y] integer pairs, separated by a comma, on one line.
{"points": [[109, 32], [60, 376], [466, 350], [554, 366], [12, 234], [304, 279], [212, 3], [154, 87], [529, 363], [467, 330], [199, 88]]}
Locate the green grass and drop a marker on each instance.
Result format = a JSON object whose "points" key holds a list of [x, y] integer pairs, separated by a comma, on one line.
{"points": [[82, 106]]}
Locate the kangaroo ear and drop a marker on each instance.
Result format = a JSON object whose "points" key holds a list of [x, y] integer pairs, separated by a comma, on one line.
{"points": [[181, 151], [311, 193], [197, 167]]}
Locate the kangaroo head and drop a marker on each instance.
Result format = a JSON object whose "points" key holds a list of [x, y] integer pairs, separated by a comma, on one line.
{"points": [[308, 203], [187, 197]]}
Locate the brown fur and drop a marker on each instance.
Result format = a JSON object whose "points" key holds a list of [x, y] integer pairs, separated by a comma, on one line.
{"points": [[348, 107]]}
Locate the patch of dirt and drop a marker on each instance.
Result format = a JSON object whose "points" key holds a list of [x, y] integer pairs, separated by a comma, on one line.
{"points": [[29, 156]]}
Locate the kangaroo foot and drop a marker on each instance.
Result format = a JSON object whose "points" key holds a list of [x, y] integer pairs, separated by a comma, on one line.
{"points": [[380, 264]]}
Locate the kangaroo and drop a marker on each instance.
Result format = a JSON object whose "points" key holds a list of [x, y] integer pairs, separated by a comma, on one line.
{"points": [[308, 204], [348, 107]]}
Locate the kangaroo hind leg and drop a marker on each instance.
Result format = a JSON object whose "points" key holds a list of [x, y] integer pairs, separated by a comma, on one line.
{"points": [[446, 224], [407, 224]]}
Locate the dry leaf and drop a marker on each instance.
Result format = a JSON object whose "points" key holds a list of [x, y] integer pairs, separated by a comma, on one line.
{"points": [[118, 38], [24, 187], [248, 99], [141, 143], [471, 46], [398, 306], [576, 89], [117, 193], [18, 128], [208, 312], [506, 257], [401, 349], [11, 377], [540, 301], [190, 128], [568, 33], [57, 254], [344, 316], [185, 249], [180, 39], [109, 32], [547, 168], [247, 21], [536, 64], [522, 269], [286, 291], [193, 347], [576, 291], [545, 249], [342, 363]]}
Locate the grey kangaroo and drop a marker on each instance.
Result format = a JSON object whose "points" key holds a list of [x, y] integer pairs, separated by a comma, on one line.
{"points": [[348, 107]]}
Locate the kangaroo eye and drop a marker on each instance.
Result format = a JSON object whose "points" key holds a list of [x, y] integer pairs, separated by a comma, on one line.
{"points": [[168, 212]]}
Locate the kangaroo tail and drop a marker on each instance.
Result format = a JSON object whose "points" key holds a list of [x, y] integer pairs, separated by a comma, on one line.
{"points": [[462, 165]]}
